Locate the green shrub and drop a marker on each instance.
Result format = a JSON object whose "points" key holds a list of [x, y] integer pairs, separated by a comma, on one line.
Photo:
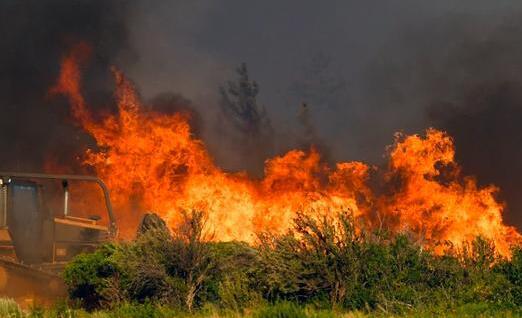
{"points": [[511, 270], [180, 271], [328, 259], [228, 281], [143, 268], [323, 262], [88, 276]]}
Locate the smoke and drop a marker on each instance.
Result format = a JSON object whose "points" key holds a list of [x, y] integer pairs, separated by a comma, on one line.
{"points": [[463, 76], [485, 123], [485, 114], [34, 37], [195, 47]]}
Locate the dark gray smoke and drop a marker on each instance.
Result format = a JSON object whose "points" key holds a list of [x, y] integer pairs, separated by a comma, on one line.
{"points": [[463, 76], [35, 34]]}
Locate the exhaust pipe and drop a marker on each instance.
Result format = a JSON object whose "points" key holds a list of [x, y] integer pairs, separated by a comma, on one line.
{"points": [[65, 185]]}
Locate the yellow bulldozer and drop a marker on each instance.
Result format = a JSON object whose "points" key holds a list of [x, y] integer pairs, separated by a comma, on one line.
{"points": [[39, 234]]}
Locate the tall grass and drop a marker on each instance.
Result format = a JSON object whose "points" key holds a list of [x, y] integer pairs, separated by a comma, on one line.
{"points": [[279, 309]]}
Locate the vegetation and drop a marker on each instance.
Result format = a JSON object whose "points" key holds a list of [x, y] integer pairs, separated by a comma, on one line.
{"points": [[323, 268], [281, 309]]}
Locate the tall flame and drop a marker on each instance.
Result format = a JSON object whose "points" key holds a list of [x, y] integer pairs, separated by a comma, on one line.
{"points": [[442, 207], [152, 161]]}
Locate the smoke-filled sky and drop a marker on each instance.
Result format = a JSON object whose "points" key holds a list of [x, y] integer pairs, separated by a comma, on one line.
{"points": [[366, 69]]}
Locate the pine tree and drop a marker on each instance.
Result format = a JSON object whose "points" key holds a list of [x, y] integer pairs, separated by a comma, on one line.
{"points": [[240, 106]]}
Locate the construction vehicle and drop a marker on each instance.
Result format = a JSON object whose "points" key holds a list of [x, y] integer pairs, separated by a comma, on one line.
{"points": [[37, 239]]}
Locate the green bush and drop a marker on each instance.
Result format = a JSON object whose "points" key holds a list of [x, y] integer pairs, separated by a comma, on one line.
{"points": [[88, 276], [323, 262], [512, 271], [181, 270]]}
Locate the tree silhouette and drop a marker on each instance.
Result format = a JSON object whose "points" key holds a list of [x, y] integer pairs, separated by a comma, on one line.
{"points": [[239, 103], [240, 107]]}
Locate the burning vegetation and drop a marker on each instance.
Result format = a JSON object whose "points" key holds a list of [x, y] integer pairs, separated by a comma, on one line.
{"points": [[152, 162]]}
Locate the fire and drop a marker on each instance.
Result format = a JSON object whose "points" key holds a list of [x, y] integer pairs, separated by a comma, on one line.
{"points": [[153, 162], [442, 207]]}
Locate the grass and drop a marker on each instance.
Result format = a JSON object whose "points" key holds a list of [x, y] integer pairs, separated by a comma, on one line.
{"points": [[9, 309]]}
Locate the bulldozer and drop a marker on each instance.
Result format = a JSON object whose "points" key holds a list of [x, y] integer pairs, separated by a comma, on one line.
{"points": [[37, 238]]}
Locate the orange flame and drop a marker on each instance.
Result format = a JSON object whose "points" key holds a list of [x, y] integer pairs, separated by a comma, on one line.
{"points": [[453, 208], [152, 162]]}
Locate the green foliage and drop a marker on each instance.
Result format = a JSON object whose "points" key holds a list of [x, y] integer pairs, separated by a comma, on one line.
{"points": [[230, 280], [180, 270], [512, 272], [88, 276], [327, 259], [277, 309], [323, 264]]}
